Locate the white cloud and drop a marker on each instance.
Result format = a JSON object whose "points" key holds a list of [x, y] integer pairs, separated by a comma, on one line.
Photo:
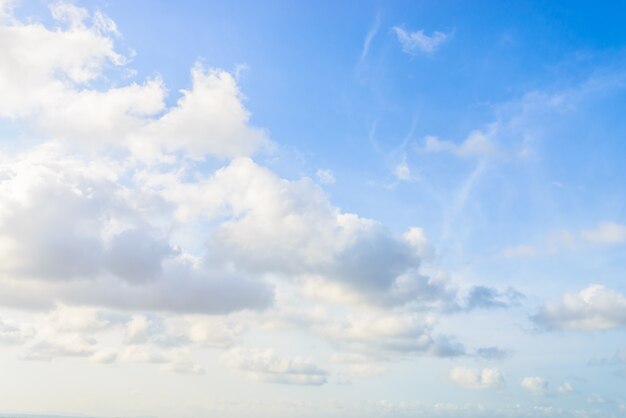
{"points": [[476, 378], [118, 209], [369, 37], [418, 42], [62, 345], [217, 332], [594, 307], [381, 334], [209, 119], [534, 384], [46, 78], [325, 176], [138, 329], [42, 65], [402, 171], [477, 144], [63, 220], [608, 233], [266, 366], [67, 319]]}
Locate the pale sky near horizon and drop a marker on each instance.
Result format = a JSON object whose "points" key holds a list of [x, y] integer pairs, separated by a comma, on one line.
{"points": [[313, 209]]}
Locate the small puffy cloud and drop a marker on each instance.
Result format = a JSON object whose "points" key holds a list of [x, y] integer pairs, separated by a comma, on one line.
{"points": [[593, 308], [266, 366], [476, 378], [535, 385], [325, 176], [402, 171], [419, 42], [608, 233], [477, 144]]}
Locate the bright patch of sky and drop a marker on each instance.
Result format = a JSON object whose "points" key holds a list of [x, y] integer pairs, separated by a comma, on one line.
{"points": [[312, 209]]}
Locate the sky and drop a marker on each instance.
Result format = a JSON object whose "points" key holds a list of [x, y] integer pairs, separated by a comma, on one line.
{"points": [[312, 209]]}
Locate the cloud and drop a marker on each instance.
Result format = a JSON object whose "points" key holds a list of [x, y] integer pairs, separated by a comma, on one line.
{"points": [[64, 345], [476, 378], [380, 335], [47, 80], [138, 329], [209, 119], [127, 203], [418, 42], [80, 319], [535, 385], [42, 65], [608, 233], [290, 228], [369, 37], [10, 333], [605, 234], [477, 144], [402, 171], [266, 366], [73, 230], [593, 308], [215, 332], [482, 297], [325, 176], [492, 353]]}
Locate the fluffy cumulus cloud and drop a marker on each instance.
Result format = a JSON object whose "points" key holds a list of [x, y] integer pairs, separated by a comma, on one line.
{"points": [[593, 308], [476, 378], [113, 223]]}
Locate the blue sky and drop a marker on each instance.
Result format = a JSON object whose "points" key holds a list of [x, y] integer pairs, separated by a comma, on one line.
{"points": [[291, 209]]}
